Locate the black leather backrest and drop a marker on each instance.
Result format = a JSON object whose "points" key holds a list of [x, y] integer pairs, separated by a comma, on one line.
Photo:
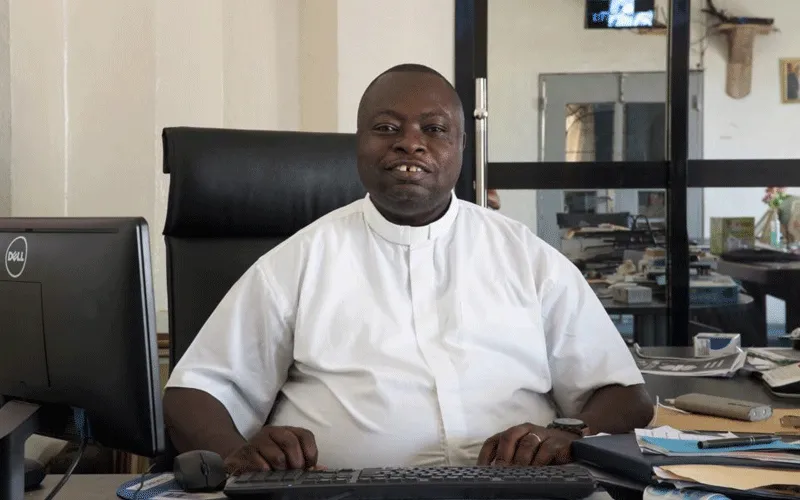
{"points": [[234, 195]]}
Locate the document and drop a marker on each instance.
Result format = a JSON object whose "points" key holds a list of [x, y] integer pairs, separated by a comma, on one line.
{"points": [[664, 493], [667, 432], [671, 442], [738, 478], [721, 366]]}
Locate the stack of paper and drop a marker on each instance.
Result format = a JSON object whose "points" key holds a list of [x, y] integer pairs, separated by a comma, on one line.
{"points": [[670, 442], [721, 366], [763, 358], [779, 483], [772, 478]]}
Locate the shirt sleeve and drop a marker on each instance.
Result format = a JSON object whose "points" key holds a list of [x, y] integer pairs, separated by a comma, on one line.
{"points": [[242, 354], [585, 350]]}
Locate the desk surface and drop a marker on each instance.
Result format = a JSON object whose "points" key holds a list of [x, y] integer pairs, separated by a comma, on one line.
{"points": [[104, 487], [765, 273], [739, 387], [659, 308]]}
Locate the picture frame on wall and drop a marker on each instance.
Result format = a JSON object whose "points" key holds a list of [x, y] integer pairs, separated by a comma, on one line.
{"points": [[790, 80]]}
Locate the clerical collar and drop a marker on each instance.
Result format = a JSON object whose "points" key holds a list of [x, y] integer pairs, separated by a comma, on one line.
{"points": [[409, 235]]}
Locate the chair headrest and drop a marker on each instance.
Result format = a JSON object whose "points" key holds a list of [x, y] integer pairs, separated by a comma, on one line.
{"points": [[250, 183]]}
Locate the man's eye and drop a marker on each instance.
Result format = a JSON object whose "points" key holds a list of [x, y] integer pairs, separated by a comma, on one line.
{"points": [[384, 128], [437, 129]]}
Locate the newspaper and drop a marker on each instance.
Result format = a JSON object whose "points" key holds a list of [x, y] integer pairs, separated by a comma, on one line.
{"points": [[721, 366], [762, 359]]}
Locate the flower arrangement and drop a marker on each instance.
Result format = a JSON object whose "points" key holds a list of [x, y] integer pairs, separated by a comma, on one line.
{"points": [[774, 196]]}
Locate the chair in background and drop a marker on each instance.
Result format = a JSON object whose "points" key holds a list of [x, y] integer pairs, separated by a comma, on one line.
{"points": [[233, 196]]}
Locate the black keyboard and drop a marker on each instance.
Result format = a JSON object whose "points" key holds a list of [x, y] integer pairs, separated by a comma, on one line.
{"points": [[428, 483]]}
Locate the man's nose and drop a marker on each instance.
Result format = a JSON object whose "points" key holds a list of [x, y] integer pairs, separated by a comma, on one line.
{"points": [[412, 141]]}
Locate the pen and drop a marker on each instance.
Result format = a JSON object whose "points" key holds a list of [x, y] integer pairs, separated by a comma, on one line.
{"points": [[733, 442]]}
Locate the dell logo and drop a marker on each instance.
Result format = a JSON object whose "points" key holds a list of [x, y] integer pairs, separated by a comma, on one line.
{"points": [[16, 256]]}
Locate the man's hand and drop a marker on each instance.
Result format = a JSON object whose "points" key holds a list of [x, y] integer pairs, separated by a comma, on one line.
{"points": [[527, 444], [275, 448]]}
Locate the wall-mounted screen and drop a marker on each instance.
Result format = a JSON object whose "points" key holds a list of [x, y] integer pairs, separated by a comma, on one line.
{"points": [[620, 14]]}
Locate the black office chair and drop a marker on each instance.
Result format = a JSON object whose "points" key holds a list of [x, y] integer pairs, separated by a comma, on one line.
{"points": [[234, 195]]}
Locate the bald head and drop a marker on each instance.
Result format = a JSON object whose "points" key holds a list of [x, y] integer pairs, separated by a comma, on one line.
{"points": [[411, 68], [410, 142]]}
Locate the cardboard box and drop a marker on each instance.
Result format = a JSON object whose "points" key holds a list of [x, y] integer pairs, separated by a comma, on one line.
{"points": [[632, 294], [716, 344], [731, 233]]}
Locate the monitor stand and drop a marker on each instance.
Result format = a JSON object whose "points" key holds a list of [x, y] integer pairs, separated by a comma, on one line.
{"points": [[18, 420]]}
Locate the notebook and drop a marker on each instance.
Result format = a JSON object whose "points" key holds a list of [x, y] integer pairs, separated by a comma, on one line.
{"points": [[620, 454]]}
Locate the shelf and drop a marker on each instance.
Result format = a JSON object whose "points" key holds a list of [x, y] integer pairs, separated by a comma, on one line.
{"points": [[760, 29], [661, 30]]}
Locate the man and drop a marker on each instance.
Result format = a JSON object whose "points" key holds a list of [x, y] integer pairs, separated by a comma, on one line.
{"points": [[408, 328]]}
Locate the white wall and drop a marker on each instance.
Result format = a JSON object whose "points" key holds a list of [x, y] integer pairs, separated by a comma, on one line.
{"points": [[522, 47], [527, 38], [758, 126], [93, 83], [5, 111], [373, 36]]}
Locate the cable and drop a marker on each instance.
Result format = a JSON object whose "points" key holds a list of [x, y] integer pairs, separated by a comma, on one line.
{"points": [[74, 464], [142, 480]]}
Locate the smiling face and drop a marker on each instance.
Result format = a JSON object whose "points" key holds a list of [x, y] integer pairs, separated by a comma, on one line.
{"points": [[410, 142]]}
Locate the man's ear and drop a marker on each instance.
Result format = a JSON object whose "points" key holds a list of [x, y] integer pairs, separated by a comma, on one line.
{"points": [[463, 141]]}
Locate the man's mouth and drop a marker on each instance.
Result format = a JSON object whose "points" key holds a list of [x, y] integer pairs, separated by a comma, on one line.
{"points": [[407, 171], [408, 168]]}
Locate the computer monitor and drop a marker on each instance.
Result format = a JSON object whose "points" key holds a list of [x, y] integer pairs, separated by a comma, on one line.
{"points": [[77, 338]]}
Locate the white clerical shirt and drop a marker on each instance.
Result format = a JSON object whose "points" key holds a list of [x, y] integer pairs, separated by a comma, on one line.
{"points": [[399, 345]]}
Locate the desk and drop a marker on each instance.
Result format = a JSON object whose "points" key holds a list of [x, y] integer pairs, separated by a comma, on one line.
{"points": [[104, 487], [779, 279], [738, 387], [650, 326]]}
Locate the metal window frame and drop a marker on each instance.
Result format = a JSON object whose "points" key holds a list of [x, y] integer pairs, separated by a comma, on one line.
{"points": [[678, 173]]}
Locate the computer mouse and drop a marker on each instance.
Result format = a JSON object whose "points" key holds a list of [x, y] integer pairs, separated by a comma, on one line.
{"points": [[199, 470]]}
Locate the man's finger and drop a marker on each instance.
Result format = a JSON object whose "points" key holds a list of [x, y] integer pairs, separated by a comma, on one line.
{"points": [[271, 452], [526, 449], [246, 459], [488, 451], [308, 445], [508, 443], [547, 451], [290, 445]]}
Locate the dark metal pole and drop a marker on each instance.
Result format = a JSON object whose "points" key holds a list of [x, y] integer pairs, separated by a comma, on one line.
{"points": [[470, 47], [677, 153]]}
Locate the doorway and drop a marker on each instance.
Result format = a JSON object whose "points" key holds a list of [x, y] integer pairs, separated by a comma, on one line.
{"points": [[611, 117]]}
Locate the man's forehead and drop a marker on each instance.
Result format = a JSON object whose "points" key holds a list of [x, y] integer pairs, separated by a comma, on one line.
{"points": [[425, 91]]}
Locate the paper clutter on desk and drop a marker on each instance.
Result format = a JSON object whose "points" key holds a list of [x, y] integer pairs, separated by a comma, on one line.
{"points": [[674, 443], [764, 481], [722, 366], [667, 493]]}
